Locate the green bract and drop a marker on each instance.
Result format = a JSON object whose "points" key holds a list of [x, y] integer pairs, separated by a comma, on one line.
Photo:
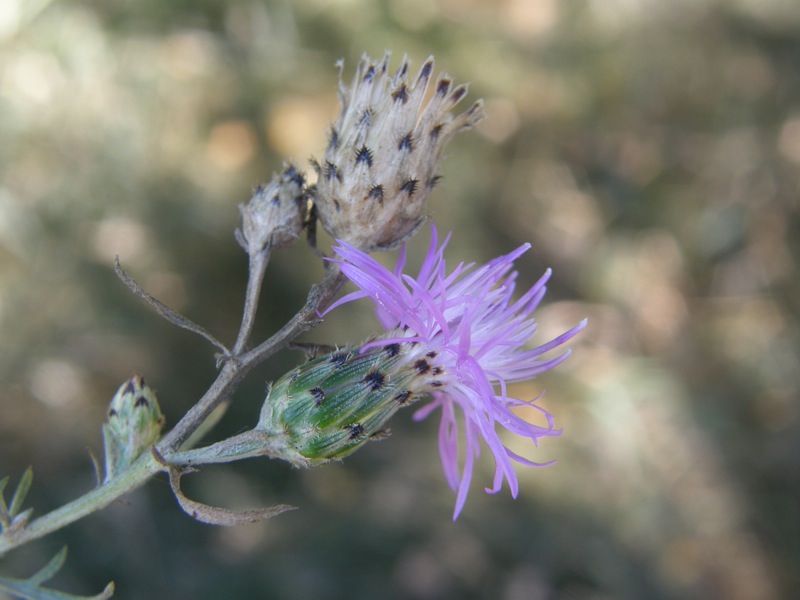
{"points": [[328, 407]]}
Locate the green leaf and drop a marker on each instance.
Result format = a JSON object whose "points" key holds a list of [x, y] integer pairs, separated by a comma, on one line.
{"points": [[47, 572], [21, 492], [3, 506], [30, 589]]}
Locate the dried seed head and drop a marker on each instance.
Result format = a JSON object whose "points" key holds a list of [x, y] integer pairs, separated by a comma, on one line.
{"points": [[384, 151], [275, 214]]}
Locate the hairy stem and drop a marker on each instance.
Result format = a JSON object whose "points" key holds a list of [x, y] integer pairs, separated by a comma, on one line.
{"points": [[100, 497], [257, 268], [233, 371], [307, 318]]}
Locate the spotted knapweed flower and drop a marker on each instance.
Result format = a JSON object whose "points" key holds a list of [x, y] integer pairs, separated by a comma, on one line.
{"points": [[456, 338], [460, 338], [384, 152]]}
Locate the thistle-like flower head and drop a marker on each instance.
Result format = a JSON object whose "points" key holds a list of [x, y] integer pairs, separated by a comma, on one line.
{"points": [[384, 152], [464, 338]]}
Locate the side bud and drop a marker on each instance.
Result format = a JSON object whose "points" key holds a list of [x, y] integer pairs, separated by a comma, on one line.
{"points": [[384, 152], [275, 214], [134, 424]]}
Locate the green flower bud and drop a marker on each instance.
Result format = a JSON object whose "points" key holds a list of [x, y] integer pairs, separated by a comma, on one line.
{"points": [[330, 406], [134, 424], [333, 404]]}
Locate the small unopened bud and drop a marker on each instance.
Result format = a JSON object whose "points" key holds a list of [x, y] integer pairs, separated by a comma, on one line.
{"points": [[275, 214], [134, 424], [384, 152]]}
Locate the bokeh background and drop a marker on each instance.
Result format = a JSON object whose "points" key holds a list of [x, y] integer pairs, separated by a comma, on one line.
{"points": [[649, 150]]}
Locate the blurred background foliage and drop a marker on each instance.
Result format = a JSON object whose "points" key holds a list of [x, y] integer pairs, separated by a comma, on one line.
{"points": [[649, 150]]}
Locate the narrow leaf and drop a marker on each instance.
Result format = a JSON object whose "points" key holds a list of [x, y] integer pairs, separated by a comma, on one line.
{"points": [[3, 506], [21, 492], [98, 473], [26, 591], [224, 517], [48, 571], [164, 310], [30, 589], [206, 426]]}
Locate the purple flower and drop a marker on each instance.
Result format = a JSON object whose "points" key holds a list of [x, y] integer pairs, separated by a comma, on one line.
{"points": [[466, 340]]}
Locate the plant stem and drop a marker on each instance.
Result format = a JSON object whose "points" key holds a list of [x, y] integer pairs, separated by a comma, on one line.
{"points": [[257, 267], [100, 497], [233, 371], [306, 318]]}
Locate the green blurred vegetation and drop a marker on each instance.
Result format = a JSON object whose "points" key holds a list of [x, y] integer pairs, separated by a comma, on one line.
{"points": [[649, 150]]}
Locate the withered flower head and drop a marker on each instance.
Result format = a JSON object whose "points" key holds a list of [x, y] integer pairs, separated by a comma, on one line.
{"points": [[275, 214], [384, 152]]}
